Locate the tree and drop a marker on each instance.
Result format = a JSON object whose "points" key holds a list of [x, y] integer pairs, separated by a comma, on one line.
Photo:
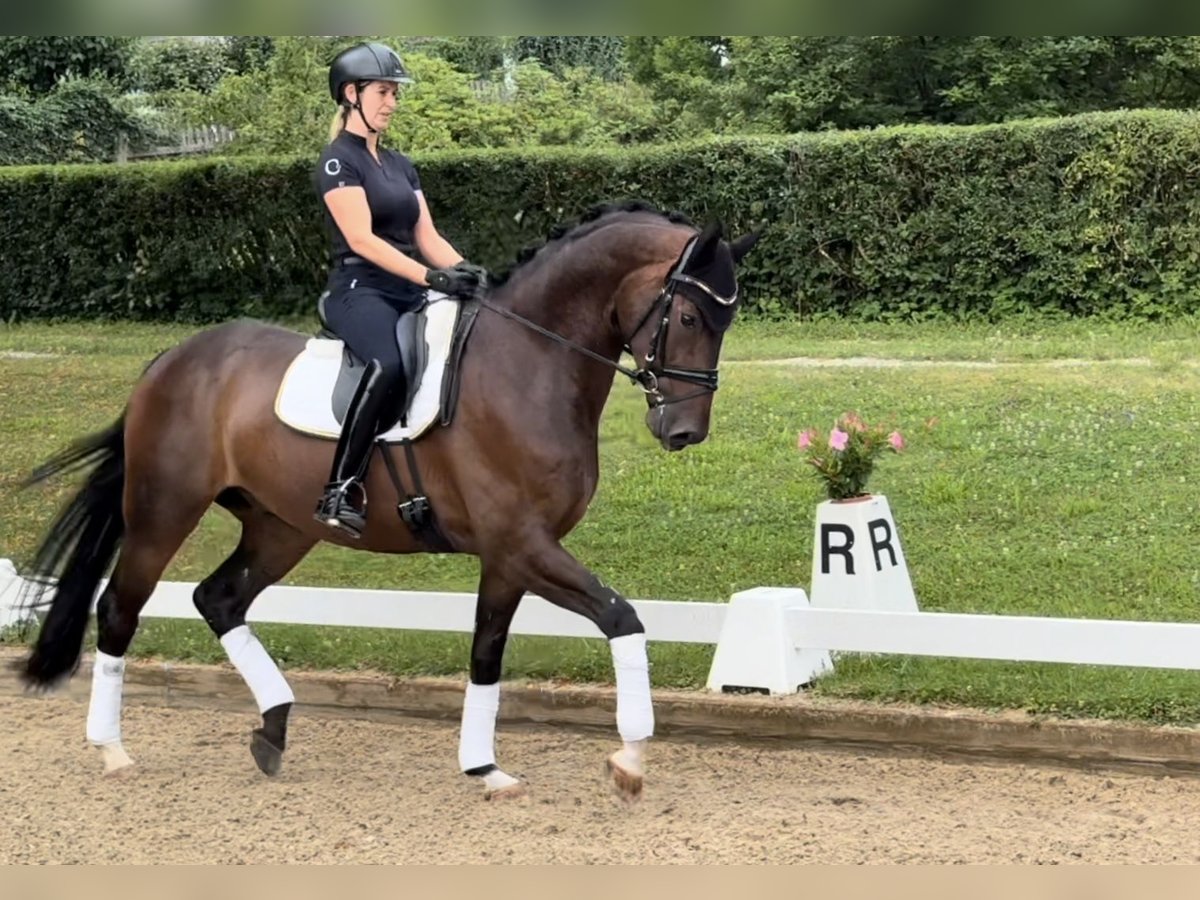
{"points": [[247, 53], [688, 76], [37, 63], [784, 84], [604, 54], [477, 56], [178, 64]]}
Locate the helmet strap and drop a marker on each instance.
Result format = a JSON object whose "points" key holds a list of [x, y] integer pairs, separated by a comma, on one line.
{"points": [[358, 89]]}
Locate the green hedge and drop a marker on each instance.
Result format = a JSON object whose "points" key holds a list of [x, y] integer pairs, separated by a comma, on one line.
{"points": [[1093, 214], [78, 121]]}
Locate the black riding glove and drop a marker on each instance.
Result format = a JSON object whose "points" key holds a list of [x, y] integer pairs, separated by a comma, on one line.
{"points": [[460, 280]]}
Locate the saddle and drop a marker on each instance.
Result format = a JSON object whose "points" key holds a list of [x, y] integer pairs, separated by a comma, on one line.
{"points": [[414, 353], [316, 390]]}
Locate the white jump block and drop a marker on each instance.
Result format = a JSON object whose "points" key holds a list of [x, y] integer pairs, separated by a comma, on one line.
{"points": [[857, 559], [756, 651]]}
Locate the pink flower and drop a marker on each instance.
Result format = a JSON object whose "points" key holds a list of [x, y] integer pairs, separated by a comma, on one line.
{"points": [[806, 438], [896, 439], [854, 421], [838, 439]]}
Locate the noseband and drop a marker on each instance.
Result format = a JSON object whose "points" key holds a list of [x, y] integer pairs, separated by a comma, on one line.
{"points": [[654, 368]]}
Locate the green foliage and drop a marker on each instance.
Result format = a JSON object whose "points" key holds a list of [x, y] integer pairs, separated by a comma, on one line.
{"points": [[193, 241], [1084, 216], [602, 54], [79, 120], [687, 77], [785, 84], [491, 91], [476, 56], [38, 62], [440, 111], [286, 109], [247, 53], [178, 64]]}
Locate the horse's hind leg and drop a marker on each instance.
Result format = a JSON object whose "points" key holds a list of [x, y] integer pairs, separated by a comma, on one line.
{"points": [[268, 550], [152, 537]]}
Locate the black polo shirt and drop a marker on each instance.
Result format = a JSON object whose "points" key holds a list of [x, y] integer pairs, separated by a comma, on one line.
{"points": [[391, 186]]}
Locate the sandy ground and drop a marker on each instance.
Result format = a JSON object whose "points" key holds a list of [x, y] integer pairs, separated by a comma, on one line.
{"points": [[387, 792]]}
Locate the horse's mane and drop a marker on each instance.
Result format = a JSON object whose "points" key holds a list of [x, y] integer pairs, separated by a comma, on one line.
{"points": [[589, 221]]}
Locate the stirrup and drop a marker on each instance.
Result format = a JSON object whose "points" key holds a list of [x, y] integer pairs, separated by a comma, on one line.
{"points": [[335, 509]]}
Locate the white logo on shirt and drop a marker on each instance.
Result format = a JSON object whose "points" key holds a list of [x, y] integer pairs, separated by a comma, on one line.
{"points": [[333, 167]]}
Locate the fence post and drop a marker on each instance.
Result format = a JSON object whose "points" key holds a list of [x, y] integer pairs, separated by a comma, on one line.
{"points": [[10, 593], [756, 651]]}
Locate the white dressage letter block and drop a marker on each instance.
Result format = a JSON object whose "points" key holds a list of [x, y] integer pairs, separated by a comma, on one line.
{"points": [[857, 560], [755, 650]]}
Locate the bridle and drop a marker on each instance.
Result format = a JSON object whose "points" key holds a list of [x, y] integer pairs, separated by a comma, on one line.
{"points": [[654, 368]]}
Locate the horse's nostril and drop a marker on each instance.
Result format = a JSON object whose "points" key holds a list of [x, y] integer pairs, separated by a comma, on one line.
{"points": [[681, 439]]}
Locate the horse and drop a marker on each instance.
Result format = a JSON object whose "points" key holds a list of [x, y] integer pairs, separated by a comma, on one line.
{"points": [[508, 477]]}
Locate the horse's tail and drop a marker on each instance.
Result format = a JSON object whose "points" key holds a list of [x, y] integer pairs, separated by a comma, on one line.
{"points": [[77, 551]]}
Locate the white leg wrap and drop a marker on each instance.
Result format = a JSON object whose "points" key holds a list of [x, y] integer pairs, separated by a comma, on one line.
{"points": [[477, 739], [104, 708], [255, 665], [635, 712]]}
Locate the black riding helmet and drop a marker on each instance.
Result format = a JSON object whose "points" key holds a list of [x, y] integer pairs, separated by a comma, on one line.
{"points": [[363, 63]]}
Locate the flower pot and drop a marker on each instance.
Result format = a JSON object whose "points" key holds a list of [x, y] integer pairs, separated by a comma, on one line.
{"points": [[859, 499], [857, 559]]}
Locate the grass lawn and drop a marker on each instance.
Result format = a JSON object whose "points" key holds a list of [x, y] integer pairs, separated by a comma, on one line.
{"points": [[1031, 486]]}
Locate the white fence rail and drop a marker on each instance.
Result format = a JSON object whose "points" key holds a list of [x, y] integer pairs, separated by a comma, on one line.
{"points": [[697, 623], [767, 639], [1101, 642], [693, 623]]}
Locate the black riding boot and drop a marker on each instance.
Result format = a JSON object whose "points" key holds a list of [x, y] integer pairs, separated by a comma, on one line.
{"points": [[336, 508]]}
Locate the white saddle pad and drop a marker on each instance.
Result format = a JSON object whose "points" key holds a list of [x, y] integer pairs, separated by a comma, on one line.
{"points": [[304, 398]]}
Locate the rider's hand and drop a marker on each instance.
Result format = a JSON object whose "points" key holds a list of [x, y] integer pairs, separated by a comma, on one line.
{"points": [[460, 280]]}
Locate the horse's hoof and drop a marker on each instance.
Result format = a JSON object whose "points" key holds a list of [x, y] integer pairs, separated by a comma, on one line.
{"points": [[267, 755], [509, 792], [626, 784], [117, 763]]}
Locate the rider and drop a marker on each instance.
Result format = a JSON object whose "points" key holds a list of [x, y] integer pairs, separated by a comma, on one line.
{"points": [[376, 217]]}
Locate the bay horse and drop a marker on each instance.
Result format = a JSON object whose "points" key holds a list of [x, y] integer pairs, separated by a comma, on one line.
{"points": [[509, 477]]}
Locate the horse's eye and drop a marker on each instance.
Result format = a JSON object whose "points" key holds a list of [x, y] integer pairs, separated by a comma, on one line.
{"points": [[687, 320]]}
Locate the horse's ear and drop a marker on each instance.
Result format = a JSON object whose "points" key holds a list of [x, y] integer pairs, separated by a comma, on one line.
{"points": [[744, 244], [706, 243]]}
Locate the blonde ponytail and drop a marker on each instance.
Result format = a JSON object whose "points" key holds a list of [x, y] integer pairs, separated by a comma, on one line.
{"points": [[338, 125]]}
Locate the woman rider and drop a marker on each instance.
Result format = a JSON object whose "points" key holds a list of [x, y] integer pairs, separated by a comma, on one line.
{"points": [[376, 217]]}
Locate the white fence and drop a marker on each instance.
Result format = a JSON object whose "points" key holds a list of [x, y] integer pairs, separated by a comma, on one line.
{"points": [[184, 142], [767, 639], [665, 620]]}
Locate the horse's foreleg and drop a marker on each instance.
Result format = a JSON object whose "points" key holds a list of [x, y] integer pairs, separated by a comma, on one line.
{"points": [[494, 611], [268, 550], [553, 573]]}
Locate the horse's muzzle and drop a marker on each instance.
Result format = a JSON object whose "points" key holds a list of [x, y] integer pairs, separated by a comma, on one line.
{"points": [[677, 440], [673, 435]]}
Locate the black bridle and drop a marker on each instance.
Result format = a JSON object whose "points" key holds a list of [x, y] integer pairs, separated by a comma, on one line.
{"points": [[654, 368]]}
